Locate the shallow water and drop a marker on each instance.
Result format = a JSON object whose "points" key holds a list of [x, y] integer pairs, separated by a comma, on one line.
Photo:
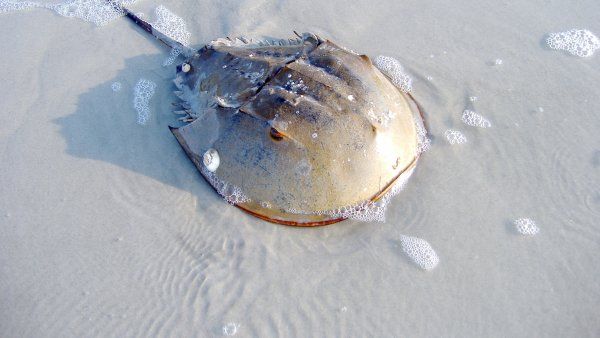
{"points": [[108, 230]]}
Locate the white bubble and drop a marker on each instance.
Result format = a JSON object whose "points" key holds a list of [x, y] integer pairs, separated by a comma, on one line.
{"points": [[423, 142], [369, 211], [116, 86], [455, 137], [171, 25], [230, 329], [351, 97], [526, 226], [9, 6], [231, 193], [392, 68], [579, 42], [471, 118], [420, 251], [143, 92], [473, 98], [314, 135], [498, 62], [172, 57], [95, 11]]}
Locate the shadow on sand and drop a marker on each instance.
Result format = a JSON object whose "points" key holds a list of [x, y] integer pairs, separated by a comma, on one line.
{"points": [[104, 128]]}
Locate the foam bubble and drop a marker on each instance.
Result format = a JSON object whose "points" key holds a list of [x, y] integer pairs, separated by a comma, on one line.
{"points": [[471, 118], [143, 92], [455, 137], [116, 86], [579, 42], [526, 226], [420, 251], [171, 25], [99, 12], [230, 329], [423, 142], [9, 6], [394, 70], [370, 211], [231, 193], [175, 52]]}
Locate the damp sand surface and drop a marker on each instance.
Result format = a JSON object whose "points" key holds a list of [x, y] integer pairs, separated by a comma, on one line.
{"points": [[107, 229]]}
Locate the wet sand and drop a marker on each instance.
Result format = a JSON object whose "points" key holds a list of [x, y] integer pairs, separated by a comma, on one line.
{"points": [[107, 229]]}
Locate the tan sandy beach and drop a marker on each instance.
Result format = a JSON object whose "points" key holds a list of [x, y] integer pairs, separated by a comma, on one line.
{"points": [[108, 230]]}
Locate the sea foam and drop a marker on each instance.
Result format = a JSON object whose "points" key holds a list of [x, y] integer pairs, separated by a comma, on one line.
{"points": [[230, 329], [171, 25], [116, 86], [394, 70], [471, 118], [9, 6], [420, 252], [371, 211], [99, 12], [143, 92], [526, 226], [579, 42], [455, 137]]}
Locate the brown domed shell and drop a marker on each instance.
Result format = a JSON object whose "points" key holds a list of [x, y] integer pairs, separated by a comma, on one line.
{"points": [[303, 128]]}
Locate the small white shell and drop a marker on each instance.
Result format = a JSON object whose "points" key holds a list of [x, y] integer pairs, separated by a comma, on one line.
{"points": [[211, 160], [186, 67]]}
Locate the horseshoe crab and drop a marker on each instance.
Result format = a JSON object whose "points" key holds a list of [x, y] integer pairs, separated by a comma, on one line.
{"points": [[298, 132]]}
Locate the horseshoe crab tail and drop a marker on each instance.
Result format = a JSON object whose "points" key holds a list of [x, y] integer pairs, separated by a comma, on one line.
{"points": [[185, 50]]}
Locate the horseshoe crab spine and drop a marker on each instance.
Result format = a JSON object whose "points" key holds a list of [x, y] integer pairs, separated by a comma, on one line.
{"points": [[185, 50]]}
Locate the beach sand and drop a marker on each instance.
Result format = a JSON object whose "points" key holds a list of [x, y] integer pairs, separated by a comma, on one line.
{"points": [[108, 230]]}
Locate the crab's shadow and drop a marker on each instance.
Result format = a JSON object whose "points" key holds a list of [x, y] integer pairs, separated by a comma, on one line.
{"points": [[104, 127]]}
